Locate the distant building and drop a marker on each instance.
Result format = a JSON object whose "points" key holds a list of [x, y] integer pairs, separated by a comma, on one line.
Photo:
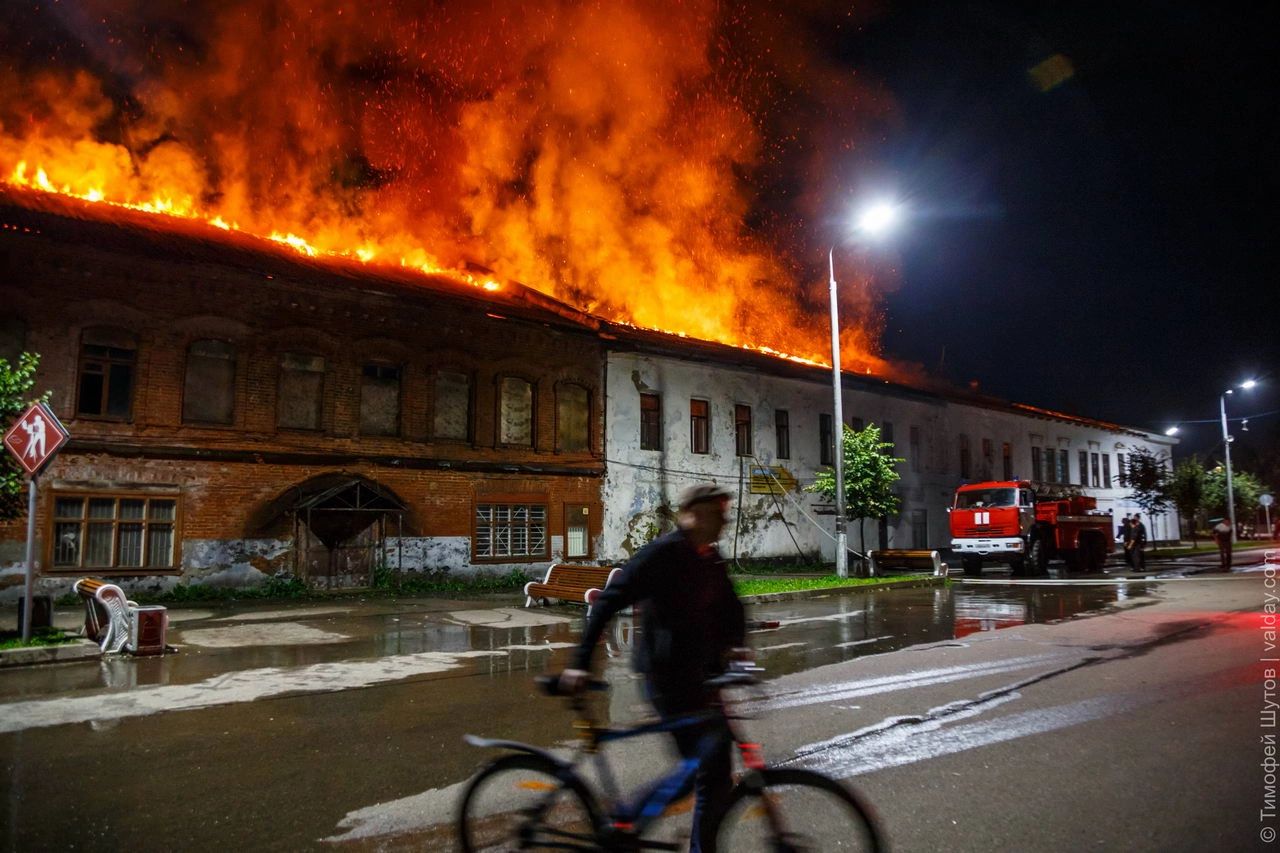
{"points": [[681, 412]]}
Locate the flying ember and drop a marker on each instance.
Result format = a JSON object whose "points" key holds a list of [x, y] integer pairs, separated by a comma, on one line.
{"points": [[643, 161]]}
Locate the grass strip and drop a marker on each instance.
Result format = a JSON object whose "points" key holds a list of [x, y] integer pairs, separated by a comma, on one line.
{"points": [[764, 586], [39, 637]]}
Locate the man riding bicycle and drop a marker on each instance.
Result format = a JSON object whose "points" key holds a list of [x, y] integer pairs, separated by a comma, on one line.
{"points": [[692, 623]]}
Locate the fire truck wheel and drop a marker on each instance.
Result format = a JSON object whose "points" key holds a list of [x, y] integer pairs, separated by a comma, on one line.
{"points": [[1037, 559], [971, 566]]}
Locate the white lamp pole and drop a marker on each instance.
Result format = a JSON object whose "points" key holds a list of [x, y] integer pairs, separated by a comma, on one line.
{"points": [[1226, 450], [842, 537]]}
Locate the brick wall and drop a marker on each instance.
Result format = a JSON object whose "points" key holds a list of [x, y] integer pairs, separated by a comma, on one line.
{"points": [[58, 286]]}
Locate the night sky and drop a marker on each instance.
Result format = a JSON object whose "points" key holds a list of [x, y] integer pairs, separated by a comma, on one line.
{"points": [[1103, 247]]}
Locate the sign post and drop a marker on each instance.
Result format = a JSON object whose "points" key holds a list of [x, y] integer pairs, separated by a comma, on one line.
{"points": [[33, 440], [1266, 501]]}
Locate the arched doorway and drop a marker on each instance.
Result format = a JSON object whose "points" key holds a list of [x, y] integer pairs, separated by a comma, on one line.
{"points": [[340, 527]]}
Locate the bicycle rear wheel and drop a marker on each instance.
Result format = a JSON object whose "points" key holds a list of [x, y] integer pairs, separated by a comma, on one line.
{"points": [[520, 802], [796, 810]]}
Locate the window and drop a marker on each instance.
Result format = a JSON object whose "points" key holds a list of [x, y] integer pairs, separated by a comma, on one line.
{"points": [[1064, 466], [510, 530], [1050, 465], [13, 339], [1122, 471], [1084, 467], [782, 426], [825, 440], [113, 532], [300, 398], [577, 540], [515, 412], [1037, 465], [988, 458], [699, 426], [742, 429], [858, 424], [650, 422], [965, 464], [1106, 470], [886, 433], [1006, 460], [573, 418], [209, 392], [452, 417], [380, 400], [105, 386], [914, 438], [1095, 470]]}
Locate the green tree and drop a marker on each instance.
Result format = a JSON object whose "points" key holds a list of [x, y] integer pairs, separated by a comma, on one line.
{"points": [[1148, 479], [869, 474], [1245, 488], [15, 384], [1186, 490]]}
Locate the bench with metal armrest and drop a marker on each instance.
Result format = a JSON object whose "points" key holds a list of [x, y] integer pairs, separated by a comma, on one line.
{"points": [[910, 560], [117, 624], [571, 583]]}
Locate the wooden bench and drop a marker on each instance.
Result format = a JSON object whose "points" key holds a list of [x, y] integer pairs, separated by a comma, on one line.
{"points": [[907, 560], [106, 613], [568, 582]]}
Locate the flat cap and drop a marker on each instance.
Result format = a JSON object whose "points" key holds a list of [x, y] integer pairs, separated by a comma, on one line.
{"points": [[701, 493]]}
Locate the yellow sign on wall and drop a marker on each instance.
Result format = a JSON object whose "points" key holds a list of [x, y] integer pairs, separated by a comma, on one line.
{"points": [[772, 480]]}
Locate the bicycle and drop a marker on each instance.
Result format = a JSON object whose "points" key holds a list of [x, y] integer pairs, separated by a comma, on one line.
{"points": [[531, 799]]}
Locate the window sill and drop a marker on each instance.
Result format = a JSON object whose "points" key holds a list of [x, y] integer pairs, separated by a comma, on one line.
{"points": [[112, 573]]}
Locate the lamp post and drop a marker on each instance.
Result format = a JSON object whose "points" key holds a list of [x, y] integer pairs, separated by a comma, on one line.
{"points": [[1226, 452], [873, 222]]}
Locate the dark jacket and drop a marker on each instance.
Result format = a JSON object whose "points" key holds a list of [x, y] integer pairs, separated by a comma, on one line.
{"points": [[689, 615]]}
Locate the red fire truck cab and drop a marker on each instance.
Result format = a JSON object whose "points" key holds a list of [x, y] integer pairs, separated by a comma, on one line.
{"points": [[1008, 522]]}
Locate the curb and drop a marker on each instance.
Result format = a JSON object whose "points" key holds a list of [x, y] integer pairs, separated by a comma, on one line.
{"points": [[770, 597], [63, 653]]}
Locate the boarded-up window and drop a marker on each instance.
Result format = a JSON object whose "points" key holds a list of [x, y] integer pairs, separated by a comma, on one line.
{"points": [[209, 394], [13, 338], [380, 400], [301, 397], [515, 414], [105, 384], [453, 406], [573, 418]]}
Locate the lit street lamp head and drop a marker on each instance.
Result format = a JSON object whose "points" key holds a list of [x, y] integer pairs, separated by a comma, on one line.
{"points": [[878, 219], [1248, 383], [1173, 430]]}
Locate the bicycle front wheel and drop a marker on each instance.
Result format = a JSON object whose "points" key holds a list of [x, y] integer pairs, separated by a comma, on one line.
{"points": [[521, 802], [796, 810]]}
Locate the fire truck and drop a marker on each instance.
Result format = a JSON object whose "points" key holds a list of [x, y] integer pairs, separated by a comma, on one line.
{"points": [[1009, 522]]}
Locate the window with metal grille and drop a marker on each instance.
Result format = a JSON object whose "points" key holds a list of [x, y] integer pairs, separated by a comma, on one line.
{"points": [[577, 540], [825, 446], [209, 390], [105, 384], [782, 426], [699, 426], [650, 422], [742, 429], [510, 530], [113, 532]]}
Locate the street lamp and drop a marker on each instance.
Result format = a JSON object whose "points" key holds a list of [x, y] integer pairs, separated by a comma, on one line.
{"points": [[874, 222], [1226, 450]]}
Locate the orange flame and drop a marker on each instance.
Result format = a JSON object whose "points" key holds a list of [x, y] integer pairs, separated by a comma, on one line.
{"points": [[600, 152]]}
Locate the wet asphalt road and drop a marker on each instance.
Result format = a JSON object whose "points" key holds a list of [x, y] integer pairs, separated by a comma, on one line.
{"points": [[339, 725]]}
